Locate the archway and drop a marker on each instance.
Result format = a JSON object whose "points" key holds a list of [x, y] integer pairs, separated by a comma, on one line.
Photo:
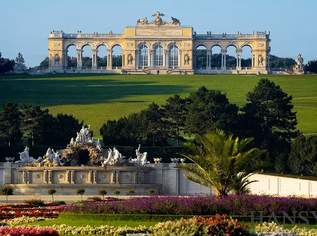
{"points": [[142, 56], [201, 57], [116, 56], [102, 53], [86, 57], [231, 58], [158, 55], [71, 57], [173, 56], [216, 57], [246, 60]]}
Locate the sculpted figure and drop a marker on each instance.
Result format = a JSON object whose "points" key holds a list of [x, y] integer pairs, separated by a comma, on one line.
{"points": [[25, 157], [142, 21], [175, 21], [260, 60], [186, 59], [158, 20], [130, 59], [141, 158]]}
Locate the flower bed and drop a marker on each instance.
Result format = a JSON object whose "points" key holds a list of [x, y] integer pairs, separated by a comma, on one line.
{"points": [[13, 211], [27, 231], [265, 229], [233, 205]]}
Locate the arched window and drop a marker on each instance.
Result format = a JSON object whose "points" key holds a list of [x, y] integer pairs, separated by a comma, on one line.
{"points": [[246, 60], [216, 57], [86, 57], [71, 52], [102, 54], [116, 57], [173, 57], [231, 57], [201, 57], [143, 56], [158, 56]]}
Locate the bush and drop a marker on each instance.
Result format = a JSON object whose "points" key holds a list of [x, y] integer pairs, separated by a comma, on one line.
{"points": [[116, 192], [103, 192], [131, 192], [95, 199], [7, 191], [35, 202]]}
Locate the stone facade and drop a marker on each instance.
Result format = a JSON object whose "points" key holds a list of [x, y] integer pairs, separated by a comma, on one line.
{"points": [[158, 47]]}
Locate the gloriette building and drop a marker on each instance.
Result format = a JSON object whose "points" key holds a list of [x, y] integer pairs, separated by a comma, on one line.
{"points": [[159, 47]]}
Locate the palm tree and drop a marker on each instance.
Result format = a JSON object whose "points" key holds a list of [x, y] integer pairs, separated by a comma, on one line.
{"points": [[241, 183], [218, 159]]}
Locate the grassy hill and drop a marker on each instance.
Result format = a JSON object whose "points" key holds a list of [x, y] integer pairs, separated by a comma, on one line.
{"points": [[97, 98]]}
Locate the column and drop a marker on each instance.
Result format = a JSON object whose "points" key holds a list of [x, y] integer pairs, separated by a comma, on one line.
{"points": [[239, 55], [136, 61], [180, 55], [113, 177], [72, 176], [94, 178], [164, 58], [208, 60], [223, 59], [45, 176], [79, 59], [49, 177], [117, 177], [24, 177], [94, 59], [150, 59], [109, 60]]}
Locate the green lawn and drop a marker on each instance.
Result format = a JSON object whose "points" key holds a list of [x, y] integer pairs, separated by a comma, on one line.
{"points": [[98, 98]]}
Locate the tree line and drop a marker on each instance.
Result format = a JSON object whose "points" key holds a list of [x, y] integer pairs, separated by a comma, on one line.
{"points": [[25, 125], [267, 117]]}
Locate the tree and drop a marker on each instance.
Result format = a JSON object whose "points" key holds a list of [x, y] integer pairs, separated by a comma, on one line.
{"points": [[269, 118], [209, 110], [7, 191], [10, 130], [51, 192], [81, 192], [218, 159], [103, 193], [303, 156], [6, 65], [279, 63], [174, 115], [44, 64], [311, 66]]}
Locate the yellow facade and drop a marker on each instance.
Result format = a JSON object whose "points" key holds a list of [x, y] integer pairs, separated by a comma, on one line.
{"points": [[158, 47]]}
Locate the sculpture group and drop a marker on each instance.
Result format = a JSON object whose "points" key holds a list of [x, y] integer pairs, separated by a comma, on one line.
{"points": [[83, 141]]}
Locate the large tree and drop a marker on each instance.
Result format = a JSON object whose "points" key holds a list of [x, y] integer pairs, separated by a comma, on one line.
{"points": [[270, 119], [219, 160], [174, 116], [303, 156], [6, 65], [10, 130], [311, 66], [209, 110]]}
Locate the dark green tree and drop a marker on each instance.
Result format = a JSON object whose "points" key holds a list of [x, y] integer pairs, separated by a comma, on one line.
{"points": [[311, 66], [303, 156], [209, 110], [269, 118], [10, 130], [6, 65], [174, 116]]}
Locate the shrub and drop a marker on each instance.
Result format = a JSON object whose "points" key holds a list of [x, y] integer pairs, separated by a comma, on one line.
{"points": [[117, 192], [152, 191], [131, 192], [95, 199], [81, 192], [35, 202], [51, 192], [6, 190], [103, 192]]}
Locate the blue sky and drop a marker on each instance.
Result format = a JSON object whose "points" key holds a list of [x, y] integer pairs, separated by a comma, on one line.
{"points": [[25, 24]]}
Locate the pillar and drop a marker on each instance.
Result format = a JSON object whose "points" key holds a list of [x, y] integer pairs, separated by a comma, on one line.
{"points": [[164, 58], [79, 59], [239, 56], [94, 59], [223, 59], [150, 59], [49, 177], [72, 177], [180, 55], [113, 177], [208, 60], [45, 177], [109, 60]]}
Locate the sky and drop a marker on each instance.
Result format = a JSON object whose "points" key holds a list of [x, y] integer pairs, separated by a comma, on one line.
{"points": [[25, 24]]}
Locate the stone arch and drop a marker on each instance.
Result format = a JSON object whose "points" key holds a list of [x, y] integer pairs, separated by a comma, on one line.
{"points": [[173, 55], [87, 54], [201, 56], [102, 55], [231, 56], [71, 56], [216, 56], [158, 54], [143, 55], [116, 55], [246, 56]]}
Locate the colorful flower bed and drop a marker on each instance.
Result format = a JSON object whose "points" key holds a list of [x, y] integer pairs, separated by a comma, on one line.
{"points": [[241, 205], [13, 211], [266, 228], [27, 231]]}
